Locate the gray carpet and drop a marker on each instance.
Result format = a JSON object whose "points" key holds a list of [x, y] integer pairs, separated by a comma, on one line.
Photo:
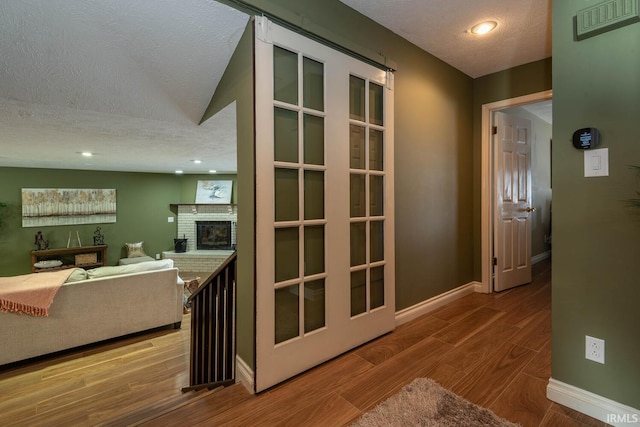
{"points": [[425, 403]]}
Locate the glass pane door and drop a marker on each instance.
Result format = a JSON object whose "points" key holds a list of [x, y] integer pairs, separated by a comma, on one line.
{"points": [[299, 282], [324, 205], [367, 175]]}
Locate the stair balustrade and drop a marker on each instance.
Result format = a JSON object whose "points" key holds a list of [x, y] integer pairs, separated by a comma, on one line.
{"points": [[213, 329]]}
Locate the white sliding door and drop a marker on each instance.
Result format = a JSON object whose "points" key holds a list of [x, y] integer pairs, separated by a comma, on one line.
{"points": [[324, 203]]}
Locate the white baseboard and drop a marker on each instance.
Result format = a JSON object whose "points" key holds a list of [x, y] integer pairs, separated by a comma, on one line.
{"points": [[540, 257], [244, 375], [595, 406], [424, 307]]}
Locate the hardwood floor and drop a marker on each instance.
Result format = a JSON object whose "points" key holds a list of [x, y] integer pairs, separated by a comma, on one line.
{"points": [[493, 350]]}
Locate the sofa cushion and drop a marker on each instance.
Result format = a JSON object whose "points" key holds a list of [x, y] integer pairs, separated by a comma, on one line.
{"points": [[77, 275], [135, 250], [135, 260], [128, 269]]}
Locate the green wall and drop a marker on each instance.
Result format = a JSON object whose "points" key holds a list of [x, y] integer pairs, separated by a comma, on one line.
{"points": [[142, 211], [236, 86], [596, 239], [242, 69]]}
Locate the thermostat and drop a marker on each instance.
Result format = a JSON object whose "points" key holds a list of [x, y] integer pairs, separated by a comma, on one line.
{"points": [[586, 138]]}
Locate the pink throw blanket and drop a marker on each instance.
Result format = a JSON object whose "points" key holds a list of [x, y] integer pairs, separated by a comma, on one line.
{"points": [[31, 293]]}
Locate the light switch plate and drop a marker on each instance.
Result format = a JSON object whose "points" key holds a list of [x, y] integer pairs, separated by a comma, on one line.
{"points": [[596, 162], [170, 219]]}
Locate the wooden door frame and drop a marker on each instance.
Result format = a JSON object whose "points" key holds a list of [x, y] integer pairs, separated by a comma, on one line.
{"points": [[486, 179]]}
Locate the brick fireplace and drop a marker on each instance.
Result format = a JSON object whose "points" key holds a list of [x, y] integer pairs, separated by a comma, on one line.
{"points": [[189, 215], [209, 258]]}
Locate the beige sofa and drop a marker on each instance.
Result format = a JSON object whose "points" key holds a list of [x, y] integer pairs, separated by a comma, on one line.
{"points": [[112, 302]]}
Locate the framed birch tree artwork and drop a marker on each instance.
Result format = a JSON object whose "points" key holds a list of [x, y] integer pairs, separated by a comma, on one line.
{"points": [[67, 206]]}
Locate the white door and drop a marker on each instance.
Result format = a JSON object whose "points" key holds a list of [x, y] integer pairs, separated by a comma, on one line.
{"points": [[512, 211], [324, 203]]}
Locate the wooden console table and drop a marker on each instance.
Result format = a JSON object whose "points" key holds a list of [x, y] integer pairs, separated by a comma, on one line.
{"points": [[82, 256]]}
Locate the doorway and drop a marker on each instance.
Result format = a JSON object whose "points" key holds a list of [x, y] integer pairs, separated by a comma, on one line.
{"points": [[487, 182]]}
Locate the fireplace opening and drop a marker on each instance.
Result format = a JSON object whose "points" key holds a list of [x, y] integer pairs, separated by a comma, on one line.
{"points": [[213, 235]]}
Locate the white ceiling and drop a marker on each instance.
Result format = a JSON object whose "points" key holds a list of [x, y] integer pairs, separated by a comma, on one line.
{"points": [[127, 80], [130, 80], [440, 27]]}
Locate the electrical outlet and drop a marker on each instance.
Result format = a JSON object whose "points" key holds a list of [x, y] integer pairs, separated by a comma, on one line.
{"points": [[594, 349], [157, 256]]}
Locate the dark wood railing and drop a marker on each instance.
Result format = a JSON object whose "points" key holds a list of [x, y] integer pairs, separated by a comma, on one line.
{"points": [[213, 329]]}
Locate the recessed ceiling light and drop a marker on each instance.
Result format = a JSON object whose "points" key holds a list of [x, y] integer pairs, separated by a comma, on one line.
{"points": [[87, 154], [179, 172], [197, 162], [212, 171], [484, 27]]}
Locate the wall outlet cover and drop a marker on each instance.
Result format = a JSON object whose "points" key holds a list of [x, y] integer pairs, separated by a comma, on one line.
{"points": [[594, 349]]}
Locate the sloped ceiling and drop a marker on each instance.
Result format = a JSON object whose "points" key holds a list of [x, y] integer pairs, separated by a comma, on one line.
{"points": [[127, 80]]}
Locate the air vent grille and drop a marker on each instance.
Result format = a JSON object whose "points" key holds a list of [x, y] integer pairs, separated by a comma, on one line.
{"points": [[606, 16]]}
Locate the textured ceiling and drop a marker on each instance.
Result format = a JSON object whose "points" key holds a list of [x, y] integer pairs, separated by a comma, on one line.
{"points": [[440, 27], [130, 80]]}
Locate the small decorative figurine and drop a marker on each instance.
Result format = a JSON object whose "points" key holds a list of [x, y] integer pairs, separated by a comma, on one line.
{"points": [[98, 238], [40, 242]]}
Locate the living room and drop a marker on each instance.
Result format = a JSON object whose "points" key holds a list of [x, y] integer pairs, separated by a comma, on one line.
{"points": [[144, 212]]}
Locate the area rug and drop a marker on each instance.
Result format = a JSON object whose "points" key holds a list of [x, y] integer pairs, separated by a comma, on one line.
{"points": [[425, 403]]}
